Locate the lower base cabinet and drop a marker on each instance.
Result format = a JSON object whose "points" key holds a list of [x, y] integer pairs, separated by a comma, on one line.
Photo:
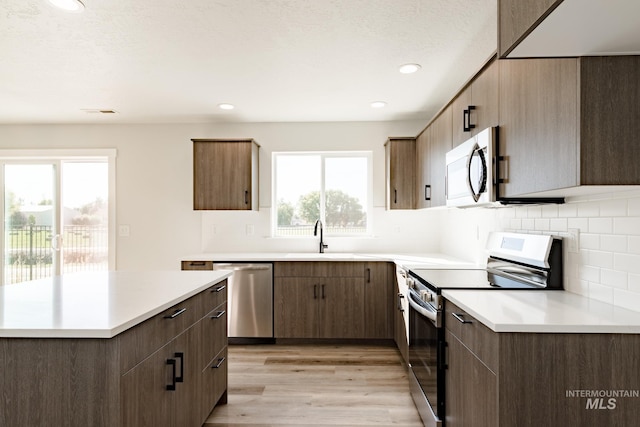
{"points": [[167, 371], [535, 379]]}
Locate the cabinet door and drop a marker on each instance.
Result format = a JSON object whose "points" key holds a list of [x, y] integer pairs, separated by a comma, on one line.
{"points": [[341, 307], [484, 96], [538, 125], [471, 388], [378, 300], [145, 399], [295, 307], [188, 349], [440, 145], [222, 175], [401, 158], [423, 169], [458, 107]]}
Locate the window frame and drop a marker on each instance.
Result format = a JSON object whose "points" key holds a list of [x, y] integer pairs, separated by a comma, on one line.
{"points": [[368, 155]]}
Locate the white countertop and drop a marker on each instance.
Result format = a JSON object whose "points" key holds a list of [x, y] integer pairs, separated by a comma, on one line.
{"points": [[97, 304], [426, 260], [544, 312]]}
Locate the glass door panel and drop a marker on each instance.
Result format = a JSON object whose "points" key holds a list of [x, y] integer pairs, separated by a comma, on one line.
{"points": [[85, 220], [29, 222]]}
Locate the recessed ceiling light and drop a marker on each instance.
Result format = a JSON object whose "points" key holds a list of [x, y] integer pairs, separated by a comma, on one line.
{"points": [[409, 68], [226, 106], [68, 5], [378, 104]]}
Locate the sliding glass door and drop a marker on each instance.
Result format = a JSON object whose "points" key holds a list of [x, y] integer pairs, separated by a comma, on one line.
{"points": [[56, 217]]}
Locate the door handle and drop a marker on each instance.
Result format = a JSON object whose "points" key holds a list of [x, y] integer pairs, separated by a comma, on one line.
{"points": [[315, 291], [322, 291], [180, 378], [172, 363], [368, 275], [220, 362], [466, 119], [175, 313], [246, 197], [218, 314], [427, 192]]}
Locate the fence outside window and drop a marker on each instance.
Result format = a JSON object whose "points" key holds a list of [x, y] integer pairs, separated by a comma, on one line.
{"points": [[29, 254]]}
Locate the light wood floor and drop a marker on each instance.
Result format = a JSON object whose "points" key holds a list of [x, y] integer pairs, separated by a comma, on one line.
{"points": [[312, 385]]}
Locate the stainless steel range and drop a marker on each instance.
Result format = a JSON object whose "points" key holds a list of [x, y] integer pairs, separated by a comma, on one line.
{"points": [[516, 261]]}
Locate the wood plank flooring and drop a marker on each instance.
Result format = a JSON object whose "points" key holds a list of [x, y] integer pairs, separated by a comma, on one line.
{"points": [[315, 385]]}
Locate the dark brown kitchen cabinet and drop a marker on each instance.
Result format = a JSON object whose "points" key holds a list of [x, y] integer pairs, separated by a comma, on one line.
{"points": [[319, 300], [225, 174], [378, 297], [400, 173], [122, 381], [531, 379], [475, 108], [516, 19], [568, 123], [431, 149]]}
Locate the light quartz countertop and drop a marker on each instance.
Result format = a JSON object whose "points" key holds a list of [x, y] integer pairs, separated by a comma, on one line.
{"points": [[97, 304], [543, 312], [426, 260]]}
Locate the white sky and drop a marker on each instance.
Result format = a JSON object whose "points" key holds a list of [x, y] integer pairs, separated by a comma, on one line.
{"points": [[82, 183]]}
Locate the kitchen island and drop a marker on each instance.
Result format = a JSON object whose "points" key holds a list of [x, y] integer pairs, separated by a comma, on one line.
{"points": [[113, 349]]}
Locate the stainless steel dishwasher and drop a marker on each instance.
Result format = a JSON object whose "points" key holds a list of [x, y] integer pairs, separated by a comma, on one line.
{"points": [[249, 301]]}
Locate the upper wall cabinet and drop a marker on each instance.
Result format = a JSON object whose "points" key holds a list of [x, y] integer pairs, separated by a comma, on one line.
{"points": [[400, 172], [431, 149], [225, 174], [566, 28], [568, 124], [476, 107]]}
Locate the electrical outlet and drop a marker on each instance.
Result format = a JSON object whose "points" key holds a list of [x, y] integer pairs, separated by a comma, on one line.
{"points": [[124, 231], [573, 245], [250, 230]]}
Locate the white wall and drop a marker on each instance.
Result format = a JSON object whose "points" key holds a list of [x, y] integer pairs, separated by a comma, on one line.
{"points": [[154, 186], [606, 264]]}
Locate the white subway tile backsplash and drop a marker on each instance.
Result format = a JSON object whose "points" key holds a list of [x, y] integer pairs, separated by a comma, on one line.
{"points": [[589, 241], [613, 207], [607, 264], [614, 243], [627, 262], [628, 225], [601, 259], [614, 278], [601, 225]]}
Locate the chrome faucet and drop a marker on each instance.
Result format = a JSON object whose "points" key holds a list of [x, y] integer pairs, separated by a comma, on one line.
{"points": [[315, 233]]}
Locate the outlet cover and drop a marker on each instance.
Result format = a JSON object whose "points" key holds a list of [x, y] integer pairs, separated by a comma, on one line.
{"points": [[573, 245]]}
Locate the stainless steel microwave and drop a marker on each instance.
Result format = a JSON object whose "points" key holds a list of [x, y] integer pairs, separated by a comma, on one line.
{"points": [[471, 171]]}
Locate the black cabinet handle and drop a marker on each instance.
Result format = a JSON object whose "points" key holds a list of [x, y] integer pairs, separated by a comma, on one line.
{"points": [[218, 314], [427, 192], [197, 263], [315, 291], [466, 119], [219, 288], [246, 197], [368, 275], [322, 291], [172, 386], [220, 362], [175, 313], [180, 378], [395, 196]]}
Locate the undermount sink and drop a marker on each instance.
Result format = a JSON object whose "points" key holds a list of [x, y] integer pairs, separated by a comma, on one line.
{"points": [[326, 255]]}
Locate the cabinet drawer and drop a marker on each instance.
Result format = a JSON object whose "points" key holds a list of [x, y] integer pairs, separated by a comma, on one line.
{"points": [[479, 339], [318, 269], [197, 265], [214, 296], [214, 333], [142, 340], [214, 382]]}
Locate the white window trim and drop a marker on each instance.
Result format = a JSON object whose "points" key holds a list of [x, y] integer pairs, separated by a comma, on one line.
{"points": [[74, 155]]}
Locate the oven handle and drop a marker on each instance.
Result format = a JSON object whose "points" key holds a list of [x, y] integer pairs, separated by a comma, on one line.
{"points": [[432, 315]]}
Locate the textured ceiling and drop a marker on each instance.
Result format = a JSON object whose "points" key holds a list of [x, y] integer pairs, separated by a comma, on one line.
{"points": [[275, 60]]}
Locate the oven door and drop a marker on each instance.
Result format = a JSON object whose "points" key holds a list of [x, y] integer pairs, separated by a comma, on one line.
{"points": [[426, 344]]}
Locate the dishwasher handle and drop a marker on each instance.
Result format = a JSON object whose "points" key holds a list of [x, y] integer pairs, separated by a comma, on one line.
{"points": [[241, 267]]}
